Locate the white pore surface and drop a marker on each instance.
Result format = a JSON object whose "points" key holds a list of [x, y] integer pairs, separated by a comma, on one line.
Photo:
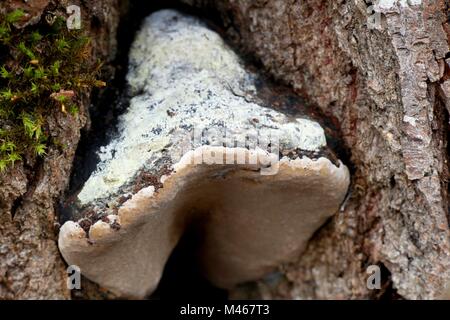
{"points": [[184, 78]]}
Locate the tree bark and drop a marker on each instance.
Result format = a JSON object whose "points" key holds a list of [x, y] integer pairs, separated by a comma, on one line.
{"points": [[387, 89], [30, 264]]}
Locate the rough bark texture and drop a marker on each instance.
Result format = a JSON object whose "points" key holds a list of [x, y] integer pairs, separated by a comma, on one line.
{"points": [[383, 87], [30, 264]]}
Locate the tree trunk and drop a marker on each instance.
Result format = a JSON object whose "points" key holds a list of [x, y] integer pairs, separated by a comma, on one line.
{"points": [[386, 86], [30, 264]]}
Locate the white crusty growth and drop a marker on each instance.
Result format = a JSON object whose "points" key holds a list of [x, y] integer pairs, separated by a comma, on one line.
{"points": [[187, 80]]}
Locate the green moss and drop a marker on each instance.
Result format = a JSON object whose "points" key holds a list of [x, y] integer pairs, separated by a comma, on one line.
{"points": [[43, 69]]}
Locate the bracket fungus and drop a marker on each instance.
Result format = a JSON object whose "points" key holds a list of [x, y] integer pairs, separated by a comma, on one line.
{"points": [[196, 147]]}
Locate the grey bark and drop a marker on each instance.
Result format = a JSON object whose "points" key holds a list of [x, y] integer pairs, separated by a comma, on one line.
{"points": [[386, 89]]}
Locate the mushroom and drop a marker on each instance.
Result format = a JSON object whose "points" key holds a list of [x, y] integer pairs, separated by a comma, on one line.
{"points": [[197, 147]]}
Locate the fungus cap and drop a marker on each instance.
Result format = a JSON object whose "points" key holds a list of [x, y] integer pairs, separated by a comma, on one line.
{"points": [[257, 189]]}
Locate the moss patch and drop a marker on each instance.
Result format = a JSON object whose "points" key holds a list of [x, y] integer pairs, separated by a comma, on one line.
{"points": [[43, 69]]}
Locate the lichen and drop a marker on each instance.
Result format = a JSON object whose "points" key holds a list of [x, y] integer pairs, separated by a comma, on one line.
{"points": [[44, 69], [201, 93]]}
